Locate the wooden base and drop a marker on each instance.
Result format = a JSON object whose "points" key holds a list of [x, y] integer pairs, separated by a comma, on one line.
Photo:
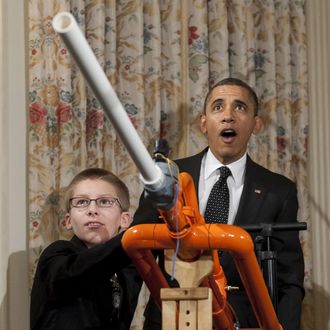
{"points": [[186, 308], [190, 306]]}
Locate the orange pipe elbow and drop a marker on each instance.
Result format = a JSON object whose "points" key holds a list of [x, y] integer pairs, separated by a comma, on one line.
{"points": [[206, 237], [184, 223]]}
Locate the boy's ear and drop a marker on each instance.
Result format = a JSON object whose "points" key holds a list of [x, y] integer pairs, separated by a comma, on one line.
{"points": [[125, 220], [68, 224]]}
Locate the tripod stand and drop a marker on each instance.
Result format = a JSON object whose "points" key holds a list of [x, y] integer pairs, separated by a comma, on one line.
{"points": [[267, 257]]}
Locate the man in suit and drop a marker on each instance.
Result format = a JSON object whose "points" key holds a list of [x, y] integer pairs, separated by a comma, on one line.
{"points": [[256, 195]]}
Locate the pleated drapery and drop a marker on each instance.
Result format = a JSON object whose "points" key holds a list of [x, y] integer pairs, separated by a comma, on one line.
{"points": [[161, 57]]}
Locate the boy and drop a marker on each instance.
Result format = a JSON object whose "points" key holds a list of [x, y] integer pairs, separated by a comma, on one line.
{"points": [[85, 283]]}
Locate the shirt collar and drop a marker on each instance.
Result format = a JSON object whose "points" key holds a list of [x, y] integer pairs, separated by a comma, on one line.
{"points": [[237, 168]]}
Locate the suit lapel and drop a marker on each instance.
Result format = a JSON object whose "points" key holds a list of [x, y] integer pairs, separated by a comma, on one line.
{"points": [[192, 165], [253, 195]]}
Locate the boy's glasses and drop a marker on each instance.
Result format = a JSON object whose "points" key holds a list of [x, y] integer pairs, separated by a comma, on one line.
{"points": [[102, 202]]}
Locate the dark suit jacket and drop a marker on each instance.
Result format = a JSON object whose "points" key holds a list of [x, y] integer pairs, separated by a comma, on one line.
{"points": [[267, 197], [72, 288]]}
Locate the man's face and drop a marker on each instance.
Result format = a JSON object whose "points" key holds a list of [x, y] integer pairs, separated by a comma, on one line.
{"points": [[93, 224], [228, 122]]}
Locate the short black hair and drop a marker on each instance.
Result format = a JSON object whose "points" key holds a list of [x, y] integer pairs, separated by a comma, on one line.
{"points": [[234, 82]]}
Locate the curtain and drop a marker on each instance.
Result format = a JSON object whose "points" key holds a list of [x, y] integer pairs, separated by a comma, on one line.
{"points": [[161, 57]]}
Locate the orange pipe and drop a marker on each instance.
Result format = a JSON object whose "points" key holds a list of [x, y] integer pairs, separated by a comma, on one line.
{"points": [[206, 237], [223, 316], [184, 223]]}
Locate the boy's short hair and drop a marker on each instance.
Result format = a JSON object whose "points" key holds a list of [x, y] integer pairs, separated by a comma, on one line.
{"points": [[96, 173]]}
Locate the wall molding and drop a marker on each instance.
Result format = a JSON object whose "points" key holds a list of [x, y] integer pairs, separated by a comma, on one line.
{"points": [[318, 37], [14, 290]]}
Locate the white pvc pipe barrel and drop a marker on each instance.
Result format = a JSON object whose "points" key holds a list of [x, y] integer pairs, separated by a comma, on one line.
{"points": [[66, 26]]}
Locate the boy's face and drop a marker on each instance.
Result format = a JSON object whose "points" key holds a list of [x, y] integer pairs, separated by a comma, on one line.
{"points": [[229, 121], [93, 224]]}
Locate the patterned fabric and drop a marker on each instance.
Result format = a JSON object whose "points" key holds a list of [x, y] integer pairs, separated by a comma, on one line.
{"points": [[161, 57], [217, 207]]}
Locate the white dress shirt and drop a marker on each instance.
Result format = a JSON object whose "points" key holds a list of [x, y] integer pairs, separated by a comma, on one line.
{"points": [[209, 175]]}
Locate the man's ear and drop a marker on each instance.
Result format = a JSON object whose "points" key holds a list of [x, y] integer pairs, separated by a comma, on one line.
{"points": [[125, 220], [68, 224], [202, 123], [258, 125]]}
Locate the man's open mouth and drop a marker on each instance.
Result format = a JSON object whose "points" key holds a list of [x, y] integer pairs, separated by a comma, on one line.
{"points": [[228, 133]]}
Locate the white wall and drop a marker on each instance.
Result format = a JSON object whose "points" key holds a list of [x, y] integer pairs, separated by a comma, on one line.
{"points": [[14, 295]]}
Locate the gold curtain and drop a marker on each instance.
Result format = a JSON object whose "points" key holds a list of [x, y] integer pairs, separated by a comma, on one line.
{"points": [[161, 57]]}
